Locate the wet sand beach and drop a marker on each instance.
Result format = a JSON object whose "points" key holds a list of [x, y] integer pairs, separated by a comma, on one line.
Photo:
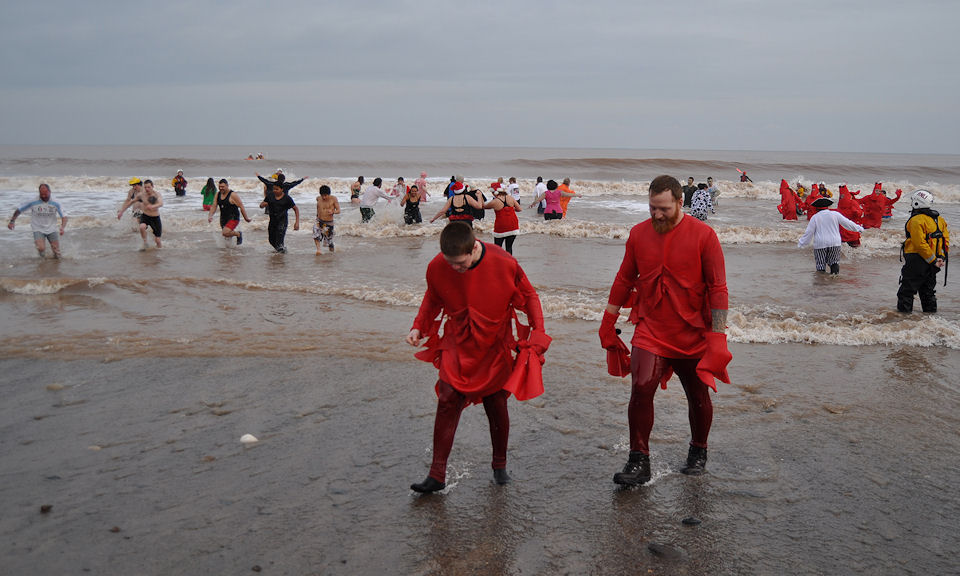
{"points": [[142, 465]]}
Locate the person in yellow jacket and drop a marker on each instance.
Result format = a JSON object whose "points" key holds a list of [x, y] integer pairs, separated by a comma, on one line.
{"points": [[925, 253]]}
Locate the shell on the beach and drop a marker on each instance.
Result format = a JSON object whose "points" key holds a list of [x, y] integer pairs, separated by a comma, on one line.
{"points": [[248, 439]]}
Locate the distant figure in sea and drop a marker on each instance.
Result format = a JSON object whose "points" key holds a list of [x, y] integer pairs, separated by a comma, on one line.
{"points": [[327, 207], [849, 206], [823, 231], [133, 198], [506, 225], [462, 205], [278, 204], [355, 190], [369, 199], [209, 192], [539, 189], [477, 288], [925, 252], [744, 177], [411, 206], [700, 204], [674, 279], [875, 204], [714, 193], [44, 212], [688, 189], [788, 201], [179, 184], [231, 207], [399, 189], [553, 210], [566, 194], [149, 202], [421, 184], [513, 189]]}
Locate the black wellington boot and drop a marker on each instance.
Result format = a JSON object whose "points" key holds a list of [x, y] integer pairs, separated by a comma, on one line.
{"points": [[834, 268], [427, 486], [635, 472], [696, 461], [501, 477]]}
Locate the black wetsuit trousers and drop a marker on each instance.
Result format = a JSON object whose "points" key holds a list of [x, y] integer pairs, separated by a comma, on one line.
{"points": [[917, 276], [277, 231]]}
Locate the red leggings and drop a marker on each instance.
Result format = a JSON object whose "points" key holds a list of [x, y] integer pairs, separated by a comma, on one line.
{"points": [[450, 403], [648, 370]]}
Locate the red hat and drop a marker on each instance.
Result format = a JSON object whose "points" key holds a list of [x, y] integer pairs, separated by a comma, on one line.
{"points": [[457, 186]]}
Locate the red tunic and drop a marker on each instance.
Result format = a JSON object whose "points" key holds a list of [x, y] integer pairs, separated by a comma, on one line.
{"points": [[849, 207], [475, 353], [679, 278], [788, 201]]}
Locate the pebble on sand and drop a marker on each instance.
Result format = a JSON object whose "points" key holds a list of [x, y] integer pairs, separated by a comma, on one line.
{"points": [[249, 439]]}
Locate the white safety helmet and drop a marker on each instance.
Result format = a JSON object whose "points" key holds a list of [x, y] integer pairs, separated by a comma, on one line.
{"points": [[921, 199]]}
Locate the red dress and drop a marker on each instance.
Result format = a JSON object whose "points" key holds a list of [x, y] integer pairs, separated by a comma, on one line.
{"points": [[506, 223], [679, 277], [475, 352]]}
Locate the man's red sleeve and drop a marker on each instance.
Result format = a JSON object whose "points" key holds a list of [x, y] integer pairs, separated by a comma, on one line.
{"points": [[626, 277], [715, 274]]}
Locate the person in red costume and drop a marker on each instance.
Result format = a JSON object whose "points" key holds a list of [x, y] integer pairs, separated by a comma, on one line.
{"points": [[875, 204], [478, 287], [849, 206], [788, 201], [673, 277], [812, 197]]}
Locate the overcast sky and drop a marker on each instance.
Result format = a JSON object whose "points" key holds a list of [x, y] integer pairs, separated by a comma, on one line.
{"points": [[858, 75]]}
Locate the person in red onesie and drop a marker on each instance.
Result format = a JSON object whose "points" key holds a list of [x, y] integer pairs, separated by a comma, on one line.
{"points": [[673, 276], [849, 206], [478, 287], [875, 204], [788, 201]]}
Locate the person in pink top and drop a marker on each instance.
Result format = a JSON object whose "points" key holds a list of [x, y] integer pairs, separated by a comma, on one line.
{"points": [[553, 210], [421, 184]]}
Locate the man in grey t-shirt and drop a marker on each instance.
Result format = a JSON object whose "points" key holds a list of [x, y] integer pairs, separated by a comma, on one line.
{"points": [[43, 221]]}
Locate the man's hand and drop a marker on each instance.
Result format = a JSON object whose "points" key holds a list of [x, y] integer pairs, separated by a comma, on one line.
{"points": [[413, 338]]}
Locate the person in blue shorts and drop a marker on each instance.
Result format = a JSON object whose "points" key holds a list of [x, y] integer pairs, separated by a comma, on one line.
{"points": [[43, 221]]}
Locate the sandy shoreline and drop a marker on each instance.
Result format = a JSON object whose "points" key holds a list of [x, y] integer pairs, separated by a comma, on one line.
{"points": [[142, 465]]}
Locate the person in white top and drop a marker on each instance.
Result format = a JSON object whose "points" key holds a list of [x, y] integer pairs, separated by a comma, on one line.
{"points": [[43, 221], [369, 199], [540, 189], [514, 189], [824, 231]]}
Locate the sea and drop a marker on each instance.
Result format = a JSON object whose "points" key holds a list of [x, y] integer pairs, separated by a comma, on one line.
{"points": [[131, 374]]}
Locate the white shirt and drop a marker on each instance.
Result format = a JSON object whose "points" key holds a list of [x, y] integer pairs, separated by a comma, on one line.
{"points": [[43, 215], [514, 190], [540, 189], [824, 229], [369, 197]]}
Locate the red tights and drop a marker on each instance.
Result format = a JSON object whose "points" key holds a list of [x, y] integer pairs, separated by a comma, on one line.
{"points": [[648, 370], [450, 403]]}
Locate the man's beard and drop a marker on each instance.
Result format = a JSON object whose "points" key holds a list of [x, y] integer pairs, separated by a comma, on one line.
{"points": [[662, 227]]}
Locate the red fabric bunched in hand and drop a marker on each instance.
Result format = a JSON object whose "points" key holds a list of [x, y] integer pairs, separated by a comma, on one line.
{"points": [[618, 355], [526, 380], [715, 360]]}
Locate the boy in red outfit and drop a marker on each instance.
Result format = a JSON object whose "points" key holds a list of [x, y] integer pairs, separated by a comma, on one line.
{"points": [[477, 287]]}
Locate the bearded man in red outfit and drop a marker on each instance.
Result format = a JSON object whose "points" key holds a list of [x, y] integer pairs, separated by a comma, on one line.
{"points": [[673, 277], [477, 287]]}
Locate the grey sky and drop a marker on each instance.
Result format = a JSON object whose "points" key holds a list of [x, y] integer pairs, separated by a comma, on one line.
{"points": [[863, 76]]}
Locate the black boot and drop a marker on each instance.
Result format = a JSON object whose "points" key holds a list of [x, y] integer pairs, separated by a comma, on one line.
{"points": [[427, 486], [696, 461], [834, 268], [501, 477], [635, 472]]}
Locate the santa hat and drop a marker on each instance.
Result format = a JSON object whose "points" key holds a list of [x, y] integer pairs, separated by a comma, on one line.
{"points": [[457, 186]]}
